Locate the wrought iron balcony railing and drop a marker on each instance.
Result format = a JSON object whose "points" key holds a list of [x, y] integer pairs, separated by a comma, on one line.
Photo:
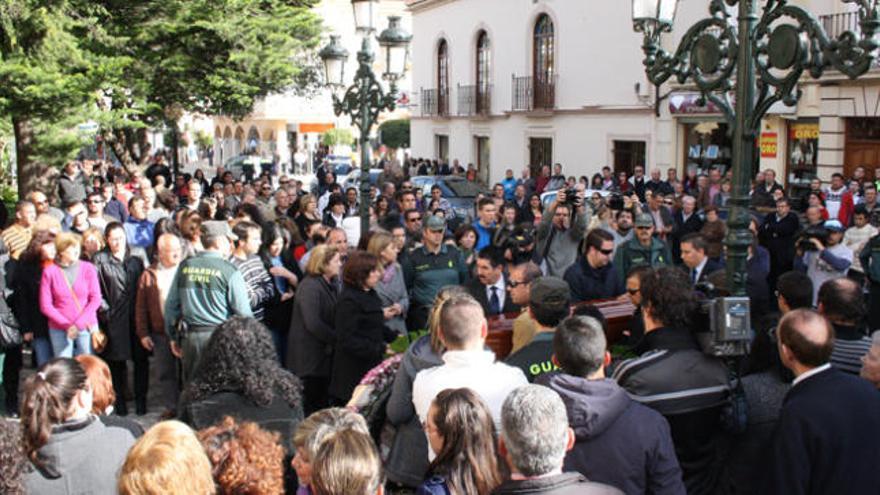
{"points": [[474, 100], [531, 93]]}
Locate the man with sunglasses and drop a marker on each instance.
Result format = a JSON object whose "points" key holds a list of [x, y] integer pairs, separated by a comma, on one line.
{"points": [[560, 233], [593, 275], [95, 208], [643, 250]]}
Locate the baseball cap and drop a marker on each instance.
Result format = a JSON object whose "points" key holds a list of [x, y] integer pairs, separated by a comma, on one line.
{"points": [[217, 228], [550, 290], [435, 222], [834, 225], [644, 220]]}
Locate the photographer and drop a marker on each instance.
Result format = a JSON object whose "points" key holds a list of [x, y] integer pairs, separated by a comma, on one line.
{"points": [[674, 377], [559, 235], [822, 256]]}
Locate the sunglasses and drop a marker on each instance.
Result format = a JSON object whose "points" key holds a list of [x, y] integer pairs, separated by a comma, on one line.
{"points": [[643, 228], [414, 219], [606, 252], [632, 292], [96, 201]]}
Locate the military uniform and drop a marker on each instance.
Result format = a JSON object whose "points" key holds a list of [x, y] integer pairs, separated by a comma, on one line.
{"points": [[632, 253], [206, 291], [425, 274]]}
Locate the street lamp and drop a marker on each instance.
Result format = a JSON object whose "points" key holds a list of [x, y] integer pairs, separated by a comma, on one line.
{"points": [[365, 98], [761, 59]]}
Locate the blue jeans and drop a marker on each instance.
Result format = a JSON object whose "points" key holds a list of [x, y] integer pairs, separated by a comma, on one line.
{"points": [[42, 350], [62, 346]]}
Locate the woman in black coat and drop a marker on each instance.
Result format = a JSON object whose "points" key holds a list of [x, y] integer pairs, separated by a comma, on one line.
{"points": [[312, 336], [361, 334], [118, 273]]}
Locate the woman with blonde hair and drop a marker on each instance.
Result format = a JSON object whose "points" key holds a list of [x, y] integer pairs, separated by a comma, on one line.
{"points": [[307, 212], [244, 457], [92, 242], [70, 296], [312, 334], [167, 460], [391, 287], [312, 432], [408, 460], [347, 464]]}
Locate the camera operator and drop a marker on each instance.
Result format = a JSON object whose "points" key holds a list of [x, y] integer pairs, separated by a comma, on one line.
{"points": [[675, 377], [559, 235], [822, 256]]}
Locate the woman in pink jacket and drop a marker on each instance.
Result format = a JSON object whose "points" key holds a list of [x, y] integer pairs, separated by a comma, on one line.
{"points": [[70, 297]]}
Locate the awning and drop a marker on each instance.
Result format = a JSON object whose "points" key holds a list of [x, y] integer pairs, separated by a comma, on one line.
{"points": [[315, 128]]}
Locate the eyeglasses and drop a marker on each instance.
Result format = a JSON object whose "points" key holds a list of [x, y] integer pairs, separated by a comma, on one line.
{"points": [[513, 284], [606, 252], [643, 228], [95, 201], [414, 219], [632, 292]]}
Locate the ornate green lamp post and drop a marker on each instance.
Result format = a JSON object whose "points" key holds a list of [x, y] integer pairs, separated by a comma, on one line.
{"points": [[760, 59], [365, 98]]}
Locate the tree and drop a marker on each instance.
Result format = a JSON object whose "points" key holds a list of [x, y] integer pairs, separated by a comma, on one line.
{"points": [[205, 56], [46, 82], [334, 137], [395, 133]]}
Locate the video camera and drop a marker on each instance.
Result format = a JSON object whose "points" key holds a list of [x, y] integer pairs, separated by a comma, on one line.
{"points": [[728, 320], [572, 198], [804, 242]]}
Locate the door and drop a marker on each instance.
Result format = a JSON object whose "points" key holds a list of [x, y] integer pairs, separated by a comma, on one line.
{"points": [[481, 145], [540, 154], [442, 147], [862, 146]]}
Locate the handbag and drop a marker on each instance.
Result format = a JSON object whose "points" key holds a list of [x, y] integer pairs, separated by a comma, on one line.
{"points": [[10, 331], [98, 337]]}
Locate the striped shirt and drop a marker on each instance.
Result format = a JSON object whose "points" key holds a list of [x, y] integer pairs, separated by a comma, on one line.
{"points": [[847, 354], [17, 239], [260, 287]]}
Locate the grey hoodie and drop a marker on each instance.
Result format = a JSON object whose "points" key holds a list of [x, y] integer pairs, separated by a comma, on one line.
{"points": [[83, 456], [618, 441], [408, 460]]}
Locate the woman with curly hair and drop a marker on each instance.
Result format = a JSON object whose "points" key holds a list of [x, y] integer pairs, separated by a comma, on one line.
{"points": [[245, 458], [12, 460], [240, 376], [462, 434]]}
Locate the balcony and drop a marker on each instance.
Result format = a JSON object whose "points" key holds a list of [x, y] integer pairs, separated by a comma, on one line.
{"points": [[531, 94], [837, 24], [435, 102], [473, 100]]}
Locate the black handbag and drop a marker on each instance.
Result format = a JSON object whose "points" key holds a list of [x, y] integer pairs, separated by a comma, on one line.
{"points": [[10, 331]]}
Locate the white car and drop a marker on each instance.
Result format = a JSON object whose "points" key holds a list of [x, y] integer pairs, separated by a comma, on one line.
{"points": [[550, 196]]}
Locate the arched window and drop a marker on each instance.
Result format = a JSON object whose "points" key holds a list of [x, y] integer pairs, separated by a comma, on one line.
{"points": [[484, 68], [543, 57], [442, 78]]}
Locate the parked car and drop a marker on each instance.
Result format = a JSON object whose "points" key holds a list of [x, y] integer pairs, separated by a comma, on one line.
{"points": [[550, 196], [460, 192], [354, 178], [246, 166], [341, 167]]}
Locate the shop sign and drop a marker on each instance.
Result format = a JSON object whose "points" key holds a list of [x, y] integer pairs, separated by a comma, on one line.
{"points": [[769, 144], [803, 131]]}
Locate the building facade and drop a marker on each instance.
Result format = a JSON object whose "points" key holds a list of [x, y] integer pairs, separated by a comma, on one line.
{"points": [[512, 83], [289, 125]]}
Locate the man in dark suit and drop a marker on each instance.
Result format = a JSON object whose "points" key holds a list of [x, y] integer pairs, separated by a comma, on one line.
{"points": [[490, 286], [777, 234], [826, 441], [687, 221], [693, 255]]}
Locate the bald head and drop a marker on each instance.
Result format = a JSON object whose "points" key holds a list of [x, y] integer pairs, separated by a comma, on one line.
{"points": [[462, 323], [169, 250], [840, 300], [806, 339]]}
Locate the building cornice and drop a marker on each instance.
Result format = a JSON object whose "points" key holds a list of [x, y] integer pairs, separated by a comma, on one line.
{"points": [[416, 6]]}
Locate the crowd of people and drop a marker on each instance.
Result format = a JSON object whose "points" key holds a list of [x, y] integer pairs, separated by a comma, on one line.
{"points": [[289, 352]]}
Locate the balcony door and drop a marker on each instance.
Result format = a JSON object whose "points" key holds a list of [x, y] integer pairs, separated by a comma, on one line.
{"points": [[543, 58], [540, 154]]}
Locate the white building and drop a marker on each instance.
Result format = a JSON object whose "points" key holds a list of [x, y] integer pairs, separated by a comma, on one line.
{"points": [[283, 124], [508, 83]]}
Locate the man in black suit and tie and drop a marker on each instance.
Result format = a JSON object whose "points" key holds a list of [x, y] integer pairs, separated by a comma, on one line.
{"points": [[490, 286], [693, 255], [827, 438]]}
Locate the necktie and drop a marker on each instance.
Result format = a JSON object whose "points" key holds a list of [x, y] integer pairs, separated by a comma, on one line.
{"points": [[494, 302], [694, 275]]}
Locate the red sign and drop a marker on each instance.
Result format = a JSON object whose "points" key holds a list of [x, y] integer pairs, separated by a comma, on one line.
{"points": [[769, 144]]}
